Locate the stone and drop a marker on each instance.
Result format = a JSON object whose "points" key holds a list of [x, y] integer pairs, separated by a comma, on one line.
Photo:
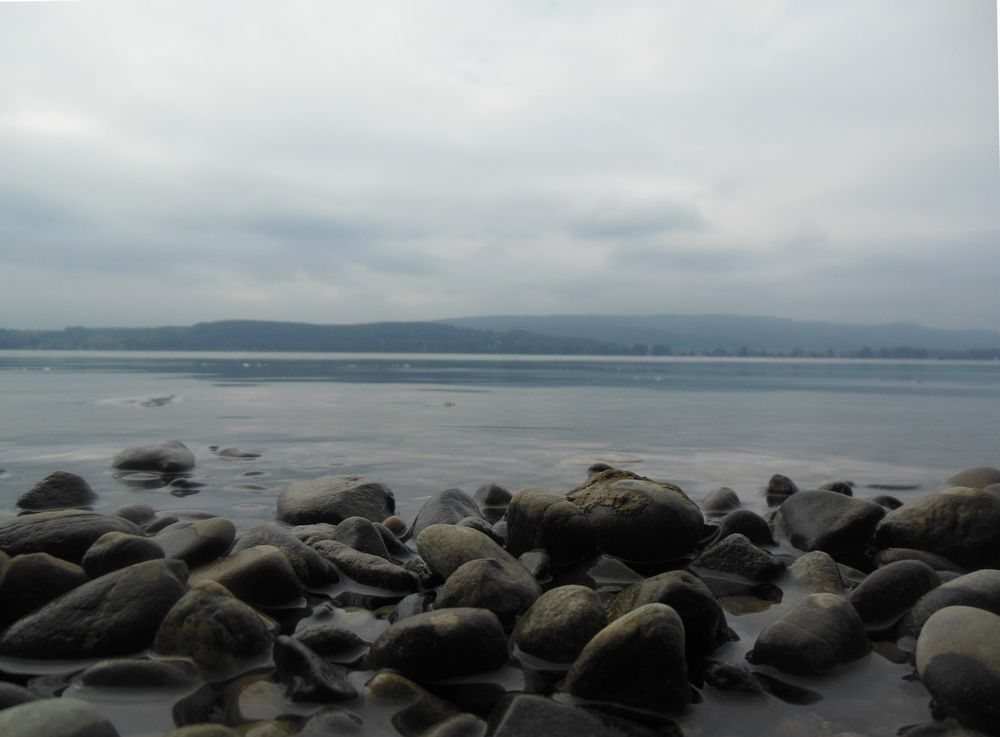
{"points": [[415, 709], [221, 634], [447, 508], [960, 524], [169, 457], [11, 695], [746, 523], [638, 519], [64, 533], [332, 642], [197, 543], [238, 453], [825, 520], [506, 589], [779, 488], [333, 721], [637, 661], [980, 589], [492, 496], [810, 639], [334, 499], [370, 570], [602, 573], [362, 535], [528, 715], [115, 550], [442, 644], [204, 730], [937, 562], [116, 614], [311, 568], [887, 594], [141, 673], [262, 576], [733, 679], [54, 718], [958, 661], [818, 573], [478, 523], [720, 500], [889, 502], [139, 514], [459, 725], [736, 554], [31, 580], [307, 676], [445, 547], [59, 490], [976, 478], [538, 519], [841, 487], [560, 623]]}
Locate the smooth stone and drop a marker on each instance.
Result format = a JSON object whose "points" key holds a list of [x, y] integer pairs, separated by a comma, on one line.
{"points": [[492, 496], [980, 589], [11, 695], [638, 519], [779, 488], [221, 634], [370, 570], [139, 514], [141, 673], [506, 589], [733, 679], [362, 535], [332, 721], [840, 487], [334, 499], [64, 533], [530, 715], [116, 614], [736, 554], [478, 523], [445, 508], [976, 478], [197, 543], [314, 533], [722, 499], [30, 581], [889, 592], [307, 676], [539, 519], [236, 453], [937, 562], [889, 502], [825, 520], [539, 565], [459, 725], [54, 718], [332, 642], [169, 457], [810, 639], [311, 568], [445, 547], [261, 576], [958, 661], [395, 524], [58, 490], [204, 730], [442, 644], [560, 623], [638, 661], [960, 524], [746, 523], [818, 573], [602, 573], [115, 550], [414, 709]]}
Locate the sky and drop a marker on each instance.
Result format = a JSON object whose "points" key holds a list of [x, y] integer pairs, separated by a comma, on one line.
{"points": [[339, 162]]}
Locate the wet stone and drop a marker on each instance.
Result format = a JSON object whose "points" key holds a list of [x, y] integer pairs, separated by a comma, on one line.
{"points": [[825, 520], [32, 580], [307, 676], [818, 573], [141, 673], [197, 543], [560, 623], [204, 730], [522, 715], [59, 490], [539, 519], [445, 547], [888, 593], [779, 488], [980, 589], [332, 642], [11, 695], [362, 535], [733, 679], [976, 478], [447, 508], [416, 710], [261, 576], [54, 718], [506, 589], [736, 554], [311, 568], [492, 499], [115, 550], [746, 523], [65, 534], [169, 457], [139, 514], [363, 568], [841, 487], [333, 499], [721, 500], [937, 562]]}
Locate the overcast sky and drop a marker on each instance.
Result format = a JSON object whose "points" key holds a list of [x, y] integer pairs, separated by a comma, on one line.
{"points": [[173, 162]]}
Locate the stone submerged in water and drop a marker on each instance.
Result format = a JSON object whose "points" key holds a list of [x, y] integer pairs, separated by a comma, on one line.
{"points": [[171, 456], [334, 499], [58, 490]]}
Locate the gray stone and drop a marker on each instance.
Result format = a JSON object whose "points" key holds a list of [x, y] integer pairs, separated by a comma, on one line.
{"points": [[492, 496], [958, 660], [307, 676], [54, 718], [363, 568], [442, 644], [638, 519], [65, 533], [888, 593], [58, 490], [459, 725], [746, 523], [818, 573], [311, 568], [560, 623], [976, 478], [529, 715], [115, 550], [141, 673], [937, 562], [414, 709], [11, 695], [169, 457], [334, 499], [810, 639], [197, 543], [638, 661], [116, 614], [960, 524], [540, 519], [139, 514], [779, 488], [261, 576], [736, 554], [445, 547], [332, 721], [825, 520], [32, 580], [446, 508], [362, 535], [204, 730], [506, 589], [722, 499], [980, 589], [841, 487], [332, 642]]}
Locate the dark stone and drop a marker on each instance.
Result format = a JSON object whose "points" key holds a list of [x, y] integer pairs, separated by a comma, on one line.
{"points": [[142, 673], [363, 568], [560, 623], [311, 567], [506, 589], [779, 488], [527, 715], [442, 644], [307, 676], [115, 550], [204, 730], [601, 573], [889, 502], [976, 478], [169, 457], [65, 533], [58, 490], [639, 519], [980, 589], [812, 637], [540, 519], [445, 508], [937, 562], [332, 720], [445, 547], [54, 718], [139, 514], [236, 453], [736, 554], [825, 520], [478, 523], [638, 661], [960, 524], [116, 614], [746, 523], [888, 593], [840, 487], [334, 499], [197, 543], [11, 695], [32, 580], [733, 679], [261, 576], [722, 499], [492, 496], [459, 725], [360, 533], [332, 642], [414, 709], [818, 573]]}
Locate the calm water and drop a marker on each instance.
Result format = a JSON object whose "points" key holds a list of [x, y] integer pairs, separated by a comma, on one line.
{"points": [[423, 424]]}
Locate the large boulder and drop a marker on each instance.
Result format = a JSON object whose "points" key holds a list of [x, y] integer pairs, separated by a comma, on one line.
{"points": [[168, 457], [825, 520], [637, 661], [116, 614], [638, 519], [540, 519], [960, 524], [66, 533], [958, 660], [560, 623], [334, 499], [58, 490]]}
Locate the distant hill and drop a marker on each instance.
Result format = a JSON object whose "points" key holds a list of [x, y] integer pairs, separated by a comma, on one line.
{"points": [[732, 333]]}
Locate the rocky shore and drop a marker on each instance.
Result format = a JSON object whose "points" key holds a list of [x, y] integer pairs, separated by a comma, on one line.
{"points": [[621, 608]]}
